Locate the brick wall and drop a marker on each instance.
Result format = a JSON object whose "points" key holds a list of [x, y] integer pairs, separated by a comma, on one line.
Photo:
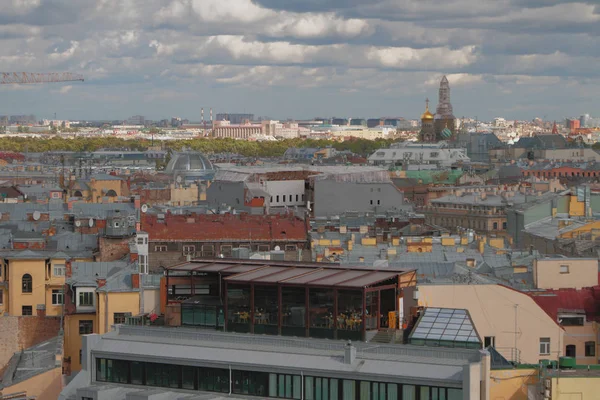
{"points": [[113, 249], [19, 333]]}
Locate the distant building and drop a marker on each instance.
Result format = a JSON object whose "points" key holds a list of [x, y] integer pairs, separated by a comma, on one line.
{"points": [[235, 118], [403, 154], [136, 120], [225, 129], [584, 121]]}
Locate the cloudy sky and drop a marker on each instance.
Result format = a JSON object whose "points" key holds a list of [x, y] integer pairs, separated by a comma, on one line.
{"points": [[303, 58]]}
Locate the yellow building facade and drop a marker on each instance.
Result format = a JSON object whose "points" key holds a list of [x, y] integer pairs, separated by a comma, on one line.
{"points": [[32, 282]]}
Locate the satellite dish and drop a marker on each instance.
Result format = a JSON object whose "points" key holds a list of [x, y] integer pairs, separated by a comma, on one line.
{"points": [[277, 248], [78, 223], [178, 179], [36, 215], [91, 222], [144, 208]]}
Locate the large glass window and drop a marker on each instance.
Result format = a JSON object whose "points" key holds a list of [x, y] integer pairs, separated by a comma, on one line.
{"points": [[349, 320], [250, 383], [262, 384], [294, 311], [321, 313], [265, 310], [238, 308]]}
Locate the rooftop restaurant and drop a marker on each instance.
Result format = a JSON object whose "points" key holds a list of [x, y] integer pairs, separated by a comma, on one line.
{"points": [[319, 300]]}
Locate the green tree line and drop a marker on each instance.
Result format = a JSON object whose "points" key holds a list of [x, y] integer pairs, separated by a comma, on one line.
{"points": [[361, 147]]}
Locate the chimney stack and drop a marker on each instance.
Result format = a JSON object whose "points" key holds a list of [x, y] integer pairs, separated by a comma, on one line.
{"points": [[349, 353]]}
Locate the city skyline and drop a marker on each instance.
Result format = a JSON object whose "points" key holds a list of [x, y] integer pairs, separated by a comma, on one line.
{"points": [[517, 59]]}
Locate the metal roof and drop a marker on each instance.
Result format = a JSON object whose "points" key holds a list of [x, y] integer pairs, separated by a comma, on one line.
{"points": [[315, 276]]}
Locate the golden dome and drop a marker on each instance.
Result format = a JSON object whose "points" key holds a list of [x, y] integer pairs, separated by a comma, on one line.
{"points": [[427, 114]]}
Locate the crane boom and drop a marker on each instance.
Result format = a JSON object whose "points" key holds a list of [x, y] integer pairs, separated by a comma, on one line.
{"points": [[33, 77]]}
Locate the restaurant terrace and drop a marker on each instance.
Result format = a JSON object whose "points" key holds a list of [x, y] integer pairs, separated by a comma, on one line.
{"points": [[319, 300]]}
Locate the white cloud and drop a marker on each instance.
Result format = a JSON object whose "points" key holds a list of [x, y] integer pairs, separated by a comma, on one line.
{"points": [[226, 11], [64, 55]]}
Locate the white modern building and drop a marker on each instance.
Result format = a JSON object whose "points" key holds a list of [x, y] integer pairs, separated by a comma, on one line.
{"points": [[137, 362]]}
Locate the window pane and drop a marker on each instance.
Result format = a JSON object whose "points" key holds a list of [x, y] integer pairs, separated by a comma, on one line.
{"points": [[272, 385], [349, 390], [408, 392], [297, 387], [288, 386], [455, 394], [137, 373], [101, 369], [392, 391], [281, 386], [188, 377], [365, 390], [325, 389], [309, 388], [333, 389], [425, 392], [318, 389]]}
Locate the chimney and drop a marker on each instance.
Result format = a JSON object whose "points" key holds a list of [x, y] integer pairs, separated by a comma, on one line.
{"points": [[101, 282], [349, 353], [135, 281], [68, 270]]}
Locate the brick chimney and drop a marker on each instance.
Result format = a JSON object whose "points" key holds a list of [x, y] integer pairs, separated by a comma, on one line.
{"points": [[135, 281], [68, 270]]}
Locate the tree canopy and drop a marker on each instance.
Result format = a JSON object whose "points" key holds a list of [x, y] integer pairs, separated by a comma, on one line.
{"points": [[361, 147]]}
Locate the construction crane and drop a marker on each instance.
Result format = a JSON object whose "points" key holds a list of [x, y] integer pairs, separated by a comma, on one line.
{"points": [[7, 78]]}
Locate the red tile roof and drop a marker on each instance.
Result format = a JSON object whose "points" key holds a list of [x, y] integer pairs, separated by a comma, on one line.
{"points": [[585, 299], [225, 228]]}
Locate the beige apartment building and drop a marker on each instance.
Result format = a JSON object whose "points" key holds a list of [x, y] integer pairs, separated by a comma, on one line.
{"points": [[565, 273], [505, 318]]}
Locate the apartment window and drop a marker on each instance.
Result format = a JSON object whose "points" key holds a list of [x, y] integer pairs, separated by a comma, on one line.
{"points": [[504, 225], [545, 346], [27, 310], [571, 350], [264, 247], [371, 202], [208, 250], [86, 326], [378, 202], [226, 250], [119, 318], [160, 248], [284, 198], [489, 341], [59, 269], [189, 250], [277, 198], [495, 226], [290, 247], [86, 298], [564, 269], [297, 197], [57, 297], [140, 240], [571, 320], [27, 283], [590, 349]]}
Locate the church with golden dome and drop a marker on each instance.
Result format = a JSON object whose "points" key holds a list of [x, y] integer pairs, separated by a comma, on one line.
{"points": [[442, 125]]}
